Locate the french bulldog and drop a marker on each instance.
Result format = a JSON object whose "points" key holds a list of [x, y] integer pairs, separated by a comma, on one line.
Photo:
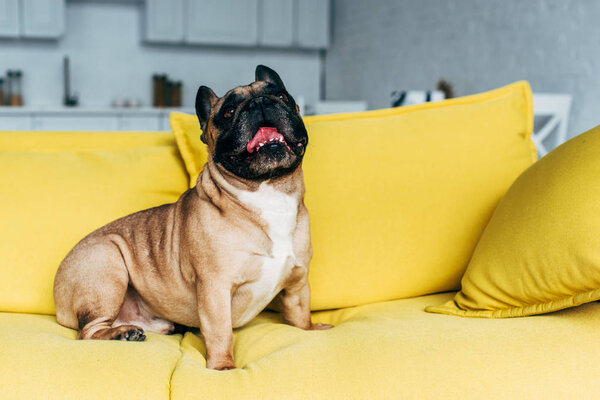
{"points": [[229, 247]]}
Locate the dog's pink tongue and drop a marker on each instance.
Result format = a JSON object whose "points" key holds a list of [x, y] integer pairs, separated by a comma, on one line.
{"points": [[263, 135]]}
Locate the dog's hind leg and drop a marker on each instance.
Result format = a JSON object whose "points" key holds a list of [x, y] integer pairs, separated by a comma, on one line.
{"points": [[134, 311], [89, 290]]}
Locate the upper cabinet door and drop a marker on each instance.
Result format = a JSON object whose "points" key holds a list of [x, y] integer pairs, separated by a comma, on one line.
{"points": [[9, 18], [276, 23], [313, 23], [43, 18], [230, 22], [163, 21]]}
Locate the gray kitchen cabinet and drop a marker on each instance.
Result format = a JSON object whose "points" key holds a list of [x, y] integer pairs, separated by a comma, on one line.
{"points": [[225, 22], [9, 18], [44, 19], [276, 23], [164, 21], [313, 23]]}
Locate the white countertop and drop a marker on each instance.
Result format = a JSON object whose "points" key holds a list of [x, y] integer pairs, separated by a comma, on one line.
{"points": [[5, 110]]}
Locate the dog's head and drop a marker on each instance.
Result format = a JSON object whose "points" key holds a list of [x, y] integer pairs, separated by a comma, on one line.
{"points": [[254, 131]]}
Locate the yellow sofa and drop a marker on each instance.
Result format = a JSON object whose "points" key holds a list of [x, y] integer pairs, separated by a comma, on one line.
{"points": [[388, 350], [57, 186]]}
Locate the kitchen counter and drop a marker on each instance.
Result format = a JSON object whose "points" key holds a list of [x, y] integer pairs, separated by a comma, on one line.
{"points": [[87, 118], [92, 110]]}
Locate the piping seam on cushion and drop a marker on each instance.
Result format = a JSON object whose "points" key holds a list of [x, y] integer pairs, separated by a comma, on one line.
{"points": [[548, 307], [175, 367]]}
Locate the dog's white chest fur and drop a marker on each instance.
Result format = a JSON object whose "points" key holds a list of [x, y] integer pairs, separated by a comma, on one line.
{"points": [[279, 211]]}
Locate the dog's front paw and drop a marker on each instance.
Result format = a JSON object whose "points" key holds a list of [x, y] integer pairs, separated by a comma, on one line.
{"points": [[320, 327], [221, 364]]}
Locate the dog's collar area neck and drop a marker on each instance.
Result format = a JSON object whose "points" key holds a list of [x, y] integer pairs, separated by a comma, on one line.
{"points": [[232, 183]]}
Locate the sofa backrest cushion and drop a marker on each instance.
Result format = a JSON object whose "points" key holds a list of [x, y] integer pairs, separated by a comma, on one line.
{"points": [[56, 187], [399, 197]]}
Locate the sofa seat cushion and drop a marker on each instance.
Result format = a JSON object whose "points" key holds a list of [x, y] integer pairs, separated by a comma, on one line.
{"points": [[396, 350], [42, 360], [378, 351]]}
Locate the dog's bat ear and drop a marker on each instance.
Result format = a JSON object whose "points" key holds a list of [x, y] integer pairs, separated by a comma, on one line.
{"points": [[266, 74], [205, 100]]}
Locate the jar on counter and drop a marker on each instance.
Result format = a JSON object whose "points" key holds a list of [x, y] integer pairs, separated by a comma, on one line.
{"points": [[14, 88]]}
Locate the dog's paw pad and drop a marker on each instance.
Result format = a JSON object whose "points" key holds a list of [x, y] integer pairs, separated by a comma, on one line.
{"points": [[131, 335], [136, 335]]}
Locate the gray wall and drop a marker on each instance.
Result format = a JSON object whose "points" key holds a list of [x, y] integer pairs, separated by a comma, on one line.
{"points": [[382, 45], [109, 60]]}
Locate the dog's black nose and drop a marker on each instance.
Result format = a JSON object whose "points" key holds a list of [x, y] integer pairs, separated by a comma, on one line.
{"points": [[258, 102]]}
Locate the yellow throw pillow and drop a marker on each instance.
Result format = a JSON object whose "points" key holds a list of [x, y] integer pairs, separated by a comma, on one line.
{"points": [[541, 250], [399, 197], [49, 200]]}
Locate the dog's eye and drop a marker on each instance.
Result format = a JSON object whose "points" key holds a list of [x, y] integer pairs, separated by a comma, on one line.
{"points": [[229, 112], [282, 96]]}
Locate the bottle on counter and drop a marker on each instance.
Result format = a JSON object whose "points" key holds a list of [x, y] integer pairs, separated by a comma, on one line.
{"points": [[1, 91], [9, 83], [168, 93], [15, 97], [176, 94], [155, 90], [159, 89]]}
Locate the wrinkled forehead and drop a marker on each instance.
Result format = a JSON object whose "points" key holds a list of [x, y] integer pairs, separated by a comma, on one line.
{"points": [[242, 93]]}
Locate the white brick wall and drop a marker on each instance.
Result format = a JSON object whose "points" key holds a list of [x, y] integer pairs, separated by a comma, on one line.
{"points": [[382, 45]]}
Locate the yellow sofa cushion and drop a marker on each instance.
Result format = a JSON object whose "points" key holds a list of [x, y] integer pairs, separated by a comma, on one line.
{"points": [[394, 350], [541, 250], [398, 198], [42, 360], [376, 351], [50, 199]]}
